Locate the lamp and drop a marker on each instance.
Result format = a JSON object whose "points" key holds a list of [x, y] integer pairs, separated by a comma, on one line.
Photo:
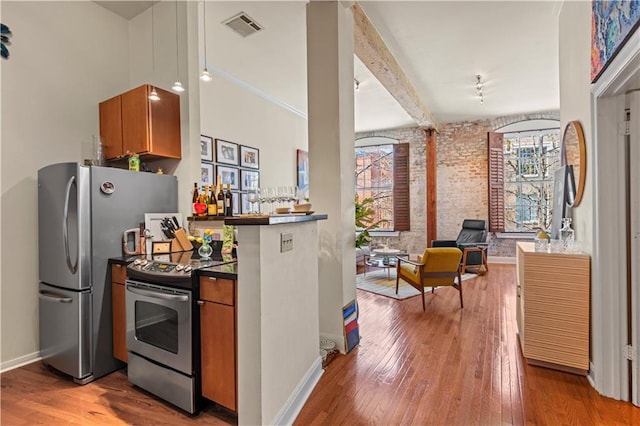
{"points": [[205, 76], [177, 86], [479, 88], [153, 95]]}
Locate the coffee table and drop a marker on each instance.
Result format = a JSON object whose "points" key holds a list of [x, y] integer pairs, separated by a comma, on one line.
{"points": [[384, 258]]}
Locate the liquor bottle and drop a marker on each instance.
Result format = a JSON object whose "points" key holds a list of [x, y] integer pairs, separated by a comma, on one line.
{"points": [[220, 198], [194, 199], [212, 205], [228, 201], [202, 200]]}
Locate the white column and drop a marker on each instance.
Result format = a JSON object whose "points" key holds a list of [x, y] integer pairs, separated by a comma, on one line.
{"points": [[331, 156]]}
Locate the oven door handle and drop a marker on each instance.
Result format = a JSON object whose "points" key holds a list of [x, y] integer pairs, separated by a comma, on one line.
{"points": [[157, 294]]}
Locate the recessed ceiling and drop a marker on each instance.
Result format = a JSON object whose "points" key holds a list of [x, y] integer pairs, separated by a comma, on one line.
{"points": [[127, 9], [443, 45]]}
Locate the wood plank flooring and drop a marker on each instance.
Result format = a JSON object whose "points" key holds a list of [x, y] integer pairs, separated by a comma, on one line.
{"points": [[443, 366]]}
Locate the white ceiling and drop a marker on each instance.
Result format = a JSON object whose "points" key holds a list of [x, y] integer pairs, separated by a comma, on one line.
{"points": [[441, 45]]}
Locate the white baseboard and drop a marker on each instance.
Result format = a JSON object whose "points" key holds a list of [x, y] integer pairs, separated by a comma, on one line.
{"points": [[501, 259], [290, 410], [591, 378], [20, 361]]}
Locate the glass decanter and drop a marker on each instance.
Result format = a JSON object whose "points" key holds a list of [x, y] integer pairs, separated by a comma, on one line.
{"points": [[566, 234]]}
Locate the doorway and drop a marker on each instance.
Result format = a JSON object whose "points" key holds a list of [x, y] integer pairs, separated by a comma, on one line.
{"points": [[616, 226]]}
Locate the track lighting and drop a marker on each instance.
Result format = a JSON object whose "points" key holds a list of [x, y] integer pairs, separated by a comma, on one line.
{"points": [[480, 88]]}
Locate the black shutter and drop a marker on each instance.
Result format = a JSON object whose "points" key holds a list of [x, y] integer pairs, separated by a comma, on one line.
{"points": [[496, 182], [401, 203]]}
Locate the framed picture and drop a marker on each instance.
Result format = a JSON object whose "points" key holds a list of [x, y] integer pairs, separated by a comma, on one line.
{"points": [[302, 170], [612, 23], [226, 152], [249, 180], [249, 157], [206, 173], [229, 175], [206, 148]]}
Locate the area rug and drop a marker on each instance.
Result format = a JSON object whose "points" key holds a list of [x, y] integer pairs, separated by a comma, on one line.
{"points": [[376, 282]]}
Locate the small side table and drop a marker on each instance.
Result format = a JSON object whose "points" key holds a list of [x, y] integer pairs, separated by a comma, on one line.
{"points": [[384, 258], [466, 251]]}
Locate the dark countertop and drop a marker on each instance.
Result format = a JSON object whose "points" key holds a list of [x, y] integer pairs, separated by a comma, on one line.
{"points": [[273, 220]]}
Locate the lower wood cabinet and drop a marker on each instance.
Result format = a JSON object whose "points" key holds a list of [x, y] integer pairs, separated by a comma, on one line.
{"points": [[553, 308], [218, 341], [118, 277]]}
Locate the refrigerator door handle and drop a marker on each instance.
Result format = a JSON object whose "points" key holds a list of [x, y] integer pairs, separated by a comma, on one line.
{"points": [[53, 297], [65, 229]]}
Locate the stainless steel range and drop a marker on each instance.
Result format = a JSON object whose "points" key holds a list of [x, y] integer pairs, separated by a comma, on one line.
{"points": [[160, 311]]}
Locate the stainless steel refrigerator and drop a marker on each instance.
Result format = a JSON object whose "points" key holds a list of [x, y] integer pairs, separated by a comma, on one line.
{"points": [[82, 213]]}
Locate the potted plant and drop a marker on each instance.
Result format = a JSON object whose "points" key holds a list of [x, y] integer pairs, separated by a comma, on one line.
{"points": [[365, 220]]}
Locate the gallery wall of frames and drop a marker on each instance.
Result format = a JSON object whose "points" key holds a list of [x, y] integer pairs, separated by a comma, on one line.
{"points": [[236, 164]]}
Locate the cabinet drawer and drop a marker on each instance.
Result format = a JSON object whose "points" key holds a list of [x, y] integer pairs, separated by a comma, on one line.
{"points": [[118, 273], [217, 290]]}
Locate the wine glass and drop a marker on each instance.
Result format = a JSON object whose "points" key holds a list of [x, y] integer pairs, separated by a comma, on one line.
{"points": [[253, 197]]}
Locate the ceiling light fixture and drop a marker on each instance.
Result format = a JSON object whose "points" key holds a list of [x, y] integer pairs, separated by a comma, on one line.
{"points": [[153, 95], [356, 84], [205, 76], [177, 86], [480, 88]]}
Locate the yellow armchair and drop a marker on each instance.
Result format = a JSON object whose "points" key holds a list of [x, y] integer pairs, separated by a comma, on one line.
{"points": [[436, 268]]}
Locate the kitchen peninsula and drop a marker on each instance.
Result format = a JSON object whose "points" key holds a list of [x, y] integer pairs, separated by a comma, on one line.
{"points": [[277, 316]]}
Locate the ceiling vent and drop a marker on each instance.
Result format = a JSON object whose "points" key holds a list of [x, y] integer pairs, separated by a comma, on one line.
{"points": [[243, 24]]}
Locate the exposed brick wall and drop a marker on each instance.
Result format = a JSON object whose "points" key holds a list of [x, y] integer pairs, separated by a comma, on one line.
{"points": [[462, 175], [415, 240], [462, 180]]}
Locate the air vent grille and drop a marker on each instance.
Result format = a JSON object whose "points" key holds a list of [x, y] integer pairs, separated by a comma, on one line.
{"points": [[243, 24]]}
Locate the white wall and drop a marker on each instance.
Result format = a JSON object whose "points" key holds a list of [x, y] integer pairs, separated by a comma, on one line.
{"points": [[161, 70], [237, 105], [234, 113], [575, 102], [65, 58]]}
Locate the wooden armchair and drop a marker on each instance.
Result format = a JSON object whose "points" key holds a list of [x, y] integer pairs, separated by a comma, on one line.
{"points": [[437, 267]]}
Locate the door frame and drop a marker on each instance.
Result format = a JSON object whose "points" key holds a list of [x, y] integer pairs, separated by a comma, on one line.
{"points": [[609, 373]]}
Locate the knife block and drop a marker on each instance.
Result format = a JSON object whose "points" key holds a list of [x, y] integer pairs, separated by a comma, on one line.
{"points": [[181, 242]]}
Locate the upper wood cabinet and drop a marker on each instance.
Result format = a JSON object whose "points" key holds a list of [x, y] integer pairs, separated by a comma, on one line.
{"points": [[132, 122]]}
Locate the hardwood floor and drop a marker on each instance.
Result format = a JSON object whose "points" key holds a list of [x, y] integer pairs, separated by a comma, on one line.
{"points": [[452, 366], [443, 366]]}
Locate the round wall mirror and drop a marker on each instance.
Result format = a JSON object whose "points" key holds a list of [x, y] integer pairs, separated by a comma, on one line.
{"points": [[574, 153]]}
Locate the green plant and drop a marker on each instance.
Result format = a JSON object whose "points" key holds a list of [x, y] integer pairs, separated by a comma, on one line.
{"points": [[365, 220]]}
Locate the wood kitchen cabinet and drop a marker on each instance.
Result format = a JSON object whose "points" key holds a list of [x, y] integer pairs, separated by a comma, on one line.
{"points": [[118, 278], [553, 308], [218, 340], [131, 122]]}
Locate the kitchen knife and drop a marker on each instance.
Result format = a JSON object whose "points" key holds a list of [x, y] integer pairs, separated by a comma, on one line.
{"points": [[176, 222], [168, 224]]}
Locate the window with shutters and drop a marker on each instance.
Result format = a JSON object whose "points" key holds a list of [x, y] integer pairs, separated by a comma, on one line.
{"points": [[530, 161], [382, 173]]}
